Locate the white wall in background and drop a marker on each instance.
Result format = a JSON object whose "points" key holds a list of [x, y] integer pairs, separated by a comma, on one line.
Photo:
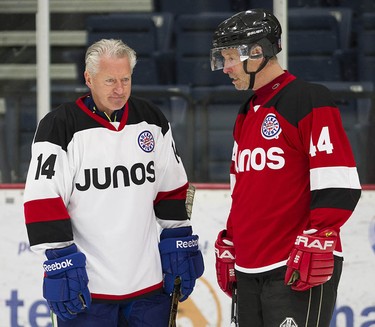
{"points": [[22, 304]]}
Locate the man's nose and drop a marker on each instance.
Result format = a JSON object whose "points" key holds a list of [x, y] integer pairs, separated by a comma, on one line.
{"points": [[227, 70], [119, 87]]}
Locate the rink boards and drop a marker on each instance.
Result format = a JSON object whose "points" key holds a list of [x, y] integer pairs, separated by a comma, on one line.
{"points": [[22, 304]]}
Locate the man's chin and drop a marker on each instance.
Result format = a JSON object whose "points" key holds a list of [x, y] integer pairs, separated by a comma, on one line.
{"points": [[117, 104], [241, 87]]}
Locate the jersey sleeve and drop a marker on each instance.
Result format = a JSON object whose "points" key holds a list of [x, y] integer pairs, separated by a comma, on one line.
{"points": [[334, 181], [169, 204], [47, 187]]}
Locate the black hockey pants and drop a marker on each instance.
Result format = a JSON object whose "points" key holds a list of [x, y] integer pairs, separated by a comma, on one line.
{"points": [[264, 300]]}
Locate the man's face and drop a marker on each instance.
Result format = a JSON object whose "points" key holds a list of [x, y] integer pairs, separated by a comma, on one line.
{"points": [[111, 85], [233, 66]]}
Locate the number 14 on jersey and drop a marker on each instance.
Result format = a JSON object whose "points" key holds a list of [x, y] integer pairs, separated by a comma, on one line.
{"points": [[324, 143]]}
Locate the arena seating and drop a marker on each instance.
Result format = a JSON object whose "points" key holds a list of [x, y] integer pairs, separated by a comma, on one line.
{"points": [[148, 33], [317, 41], [330, 41], [366, 47], [193, 43]]}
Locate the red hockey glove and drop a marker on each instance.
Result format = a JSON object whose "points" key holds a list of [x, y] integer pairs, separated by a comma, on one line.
{"points": [[311, 260], [225, 258]]}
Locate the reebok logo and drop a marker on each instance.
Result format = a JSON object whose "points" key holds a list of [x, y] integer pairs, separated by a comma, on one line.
{"points": [[186, 244], [58, 265]]}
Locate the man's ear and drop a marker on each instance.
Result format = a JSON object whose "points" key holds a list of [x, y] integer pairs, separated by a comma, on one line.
{"points": [[87, 78]]}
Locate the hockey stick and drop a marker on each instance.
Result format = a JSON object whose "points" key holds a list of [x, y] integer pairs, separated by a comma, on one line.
{"points": [[174, 305], [234, 309], [177, 282], [190, 199]]}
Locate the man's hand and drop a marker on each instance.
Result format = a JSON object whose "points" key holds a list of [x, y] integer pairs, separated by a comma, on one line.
{"points": [[65, 282], [180, 256], [225, 258], [311, 260]]}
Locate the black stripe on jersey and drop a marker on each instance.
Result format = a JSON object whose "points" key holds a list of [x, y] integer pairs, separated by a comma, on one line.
{"points": [[166, 210], [60, 125], [144, 110], [340, 198], [297, 99], [49, 232]]}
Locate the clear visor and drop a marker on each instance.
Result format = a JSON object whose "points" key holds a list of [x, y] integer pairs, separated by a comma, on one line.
{"points": [[226, 57]]}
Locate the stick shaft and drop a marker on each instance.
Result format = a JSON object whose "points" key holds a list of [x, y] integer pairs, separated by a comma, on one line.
{"points": [[174, 305], [234, 309], [190, 199], [177, 282]]}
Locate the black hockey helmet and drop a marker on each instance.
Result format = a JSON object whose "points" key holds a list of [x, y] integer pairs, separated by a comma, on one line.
{"points": [[243, 30]]}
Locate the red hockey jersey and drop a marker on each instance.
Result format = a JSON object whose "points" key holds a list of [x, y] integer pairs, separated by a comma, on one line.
{"points": [[292, 170]]}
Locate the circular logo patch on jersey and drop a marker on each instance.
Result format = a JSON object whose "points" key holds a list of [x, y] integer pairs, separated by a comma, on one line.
{"points": [[146, 141], [271, 127]]}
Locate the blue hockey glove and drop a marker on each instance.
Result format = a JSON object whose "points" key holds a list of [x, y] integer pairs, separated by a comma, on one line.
{"points": [[65, 282], [181, 257]]}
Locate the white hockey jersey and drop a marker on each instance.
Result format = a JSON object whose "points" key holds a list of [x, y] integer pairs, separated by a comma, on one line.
{"points": [[104, 186]]}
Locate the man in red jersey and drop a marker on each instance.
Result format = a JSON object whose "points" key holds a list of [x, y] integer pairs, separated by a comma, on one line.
{"points": [[294, 183]]}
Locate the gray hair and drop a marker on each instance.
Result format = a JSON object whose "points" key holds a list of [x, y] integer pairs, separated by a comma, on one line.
{"points": [[111, 48]]}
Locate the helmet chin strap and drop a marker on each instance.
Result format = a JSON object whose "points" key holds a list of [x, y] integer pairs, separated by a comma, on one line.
{"points": [[252, 74]]}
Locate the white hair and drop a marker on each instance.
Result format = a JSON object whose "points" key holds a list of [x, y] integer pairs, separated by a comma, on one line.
{"points": [[111, 48]]}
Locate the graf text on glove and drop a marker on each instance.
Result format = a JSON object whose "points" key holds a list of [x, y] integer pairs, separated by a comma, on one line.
{"points": [[224, 254], [321, 245]]}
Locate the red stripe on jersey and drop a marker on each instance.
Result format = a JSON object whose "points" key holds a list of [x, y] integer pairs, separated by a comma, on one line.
{"points": [[126, 296], [45, 210], [333, 218], [177, 194]]}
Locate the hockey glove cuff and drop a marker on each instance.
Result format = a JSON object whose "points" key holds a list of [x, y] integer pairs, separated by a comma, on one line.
{"points": [[225, 259], [180, 256], [65, 282], [311, 261]]}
